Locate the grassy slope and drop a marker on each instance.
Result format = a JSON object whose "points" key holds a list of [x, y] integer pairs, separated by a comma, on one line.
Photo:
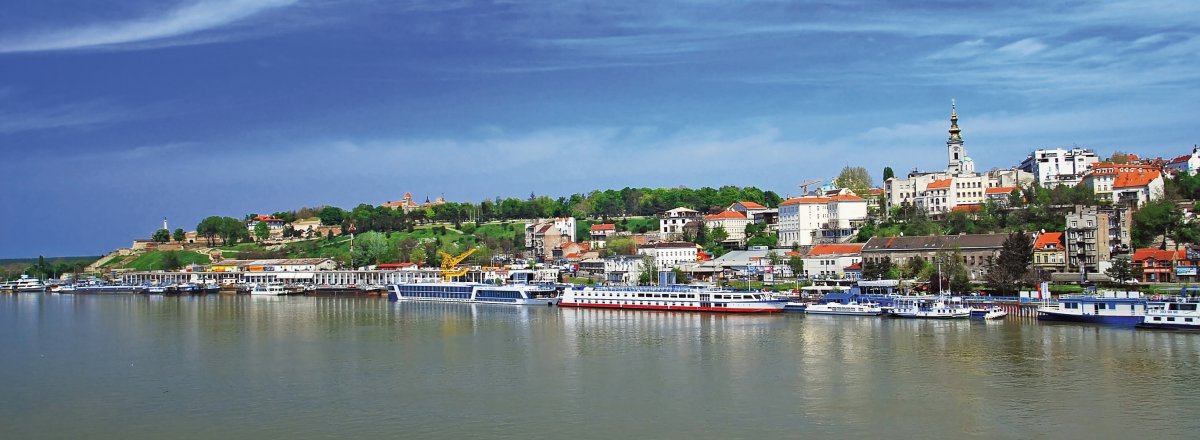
{"points": [[153, 260]]}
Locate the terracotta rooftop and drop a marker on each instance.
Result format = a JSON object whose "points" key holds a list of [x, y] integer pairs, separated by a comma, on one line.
{"points": [[939, 184], [1049, 241], [604, 227], [799, 200], [752, 205], [999, 190], [1133, 180], [1144, 254], [835, 249]]}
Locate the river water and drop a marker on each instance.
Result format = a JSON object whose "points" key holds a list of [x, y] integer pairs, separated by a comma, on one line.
{"points": [[122, 367]]}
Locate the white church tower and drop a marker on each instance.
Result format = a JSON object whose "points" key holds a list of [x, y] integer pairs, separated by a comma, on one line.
{"points": [[958, 163]]}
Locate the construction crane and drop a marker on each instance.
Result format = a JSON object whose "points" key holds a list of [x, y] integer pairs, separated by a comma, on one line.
{"points": [[804, 186], [449, 272]]}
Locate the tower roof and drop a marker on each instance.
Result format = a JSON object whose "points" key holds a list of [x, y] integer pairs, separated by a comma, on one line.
{"points": [[954, 130]]}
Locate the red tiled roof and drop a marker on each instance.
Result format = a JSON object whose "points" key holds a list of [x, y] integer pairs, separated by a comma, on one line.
{"points": [[855, 266], [730, 215], [1049, 240], [939, 184], [752, 205], [1144, 254], [999, 190], [394, 265], [834, 249], [966, 208], [1133, 180], [1180, 159], [875, 191], [266, 218], [604, 227]]}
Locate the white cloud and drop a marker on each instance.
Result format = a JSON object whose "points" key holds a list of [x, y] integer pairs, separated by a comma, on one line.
{"points": [[1022, 48], [191, 18]]}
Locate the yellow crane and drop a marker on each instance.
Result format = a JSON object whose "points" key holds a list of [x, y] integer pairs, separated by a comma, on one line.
{"points": [[804, 186], [449, 272]]}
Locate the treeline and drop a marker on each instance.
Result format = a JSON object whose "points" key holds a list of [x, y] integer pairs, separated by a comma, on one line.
{"points": [[601, 205]]}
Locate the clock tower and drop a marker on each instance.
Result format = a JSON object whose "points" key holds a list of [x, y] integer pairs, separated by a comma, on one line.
{"points": [[955, 152]]}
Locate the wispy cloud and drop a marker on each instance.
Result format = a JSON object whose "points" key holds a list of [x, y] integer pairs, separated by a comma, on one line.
{"points": [[187, 19], [76, 114]]}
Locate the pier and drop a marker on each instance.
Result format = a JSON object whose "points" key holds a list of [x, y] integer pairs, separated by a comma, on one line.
{"points": [[335, 278]]}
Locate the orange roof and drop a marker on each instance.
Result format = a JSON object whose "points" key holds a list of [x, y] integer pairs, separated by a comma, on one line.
{"points": [[1133, 180], [833, 249], [1144, 254], [1000, 190], [875, 191], [731, 215], [604, 227], [939, 184], [266, 218], [1180, 159], [799, 200], [965, 208], [855, 266], [1049, 241], [752, 205]]}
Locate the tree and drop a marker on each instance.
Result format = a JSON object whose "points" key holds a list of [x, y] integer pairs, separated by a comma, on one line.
{"points": [[162, 236], [718, 235], [418, 256], [1122, 270], [170, 260], [1011, 267], [621, 245], [210, 228], [331, 215], [1156, 218], [369, 248], [649, 273], [797, 265], [876, 271], [1120, 157], [431, 256], [262, 231], [888, 173], [179, 235], [232, 230], [404, 249], [856, 179]]}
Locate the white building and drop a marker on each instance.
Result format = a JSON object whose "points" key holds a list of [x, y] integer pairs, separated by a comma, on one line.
{"points": [[747, 208], [1053, 167], [1102, 178], [623, 269], [1186, 164], [1135, 189], [829, 261], [733, 222], [941, 191], [819, 219], [670, 255], [566, 226], [672, 222]]}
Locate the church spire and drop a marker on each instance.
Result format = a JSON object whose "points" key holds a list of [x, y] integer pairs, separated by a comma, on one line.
{"points": [[954, 130]]}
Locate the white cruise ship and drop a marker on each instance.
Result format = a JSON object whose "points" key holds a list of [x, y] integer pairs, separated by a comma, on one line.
{"points": [[850, 308], [518, 294], [931, 308], [24, 284], [681, 298]]}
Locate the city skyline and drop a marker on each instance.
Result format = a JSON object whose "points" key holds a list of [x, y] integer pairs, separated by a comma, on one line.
{"points": [[113, 116]]}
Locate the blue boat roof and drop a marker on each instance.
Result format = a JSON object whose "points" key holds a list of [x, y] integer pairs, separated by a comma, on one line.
{"points": [[839, 296]]}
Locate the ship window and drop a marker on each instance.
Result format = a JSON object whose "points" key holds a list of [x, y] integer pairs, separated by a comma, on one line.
{"points": [[1170, 319], [1187, 319]]}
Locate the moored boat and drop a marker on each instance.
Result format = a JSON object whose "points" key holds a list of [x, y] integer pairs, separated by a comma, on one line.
{"points": [[990, 311], [1112, 308], [1173, 315], [853, 308], [931, 308], [672, 297], [25, 284], [275, 289]]}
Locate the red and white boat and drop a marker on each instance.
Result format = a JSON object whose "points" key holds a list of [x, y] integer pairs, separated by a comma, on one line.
{"points": [[681, 298]]}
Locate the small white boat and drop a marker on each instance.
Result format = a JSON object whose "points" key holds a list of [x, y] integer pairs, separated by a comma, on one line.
{"points": [[269, 289], [23, 285], [988, 312], [852, 308]]}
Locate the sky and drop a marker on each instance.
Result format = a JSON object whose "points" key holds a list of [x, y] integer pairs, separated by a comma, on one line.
{"points": [[115, 114]]}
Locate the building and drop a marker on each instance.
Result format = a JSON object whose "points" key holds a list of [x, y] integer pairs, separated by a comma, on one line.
{"points": [[1053, 167], [1136, 188], [274, 265], [1103, 175], [275, 225], [670, 255], [542, 238], [623, 269], [1049, 253], [826, 261], [748, 209], [940, 191], [999, 195], [671, 224], [977, 250], [407, 204], [599, 233], [1189, 164], [810, 220], [1158, 265], [1087, 240], [733, 222]]}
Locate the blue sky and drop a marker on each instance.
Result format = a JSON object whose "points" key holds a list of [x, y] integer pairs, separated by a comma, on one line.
{"points": [[115, 114]]}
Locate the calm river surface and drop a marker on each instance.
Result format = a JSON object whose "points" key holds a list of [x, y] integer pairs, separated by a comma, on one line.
{"points": [[121, 367]]}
